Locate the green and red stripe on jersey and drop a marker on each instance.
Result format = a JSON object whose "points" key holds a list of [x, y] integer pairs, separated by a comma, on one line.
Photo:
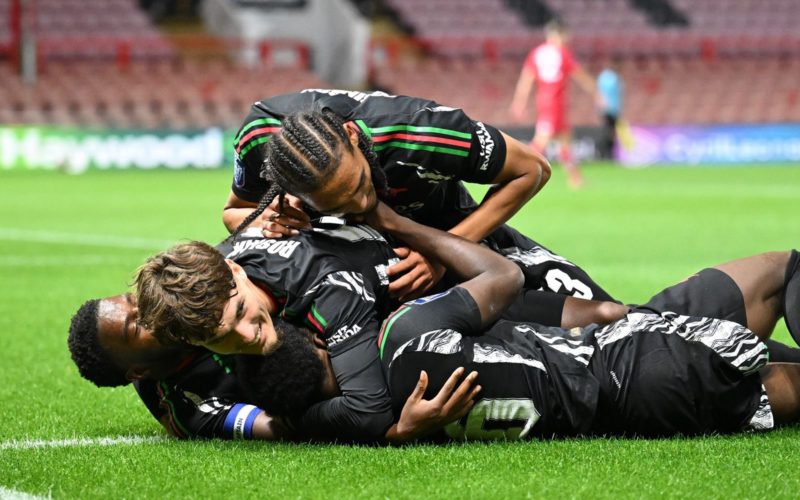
{"points": [[433, 139], [387, 325], [254, 133], [316, 321]]}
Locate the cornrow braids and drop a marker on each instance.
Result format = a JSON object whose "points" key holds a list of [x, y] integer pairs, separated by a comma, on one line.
{"points": [[307, 151]]}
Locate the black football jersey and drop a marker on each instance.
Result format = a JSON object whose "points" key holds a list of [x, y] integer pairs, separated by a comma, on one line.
{"points": [[201, 400], [334, 281], [534, 379], [424, 148]]}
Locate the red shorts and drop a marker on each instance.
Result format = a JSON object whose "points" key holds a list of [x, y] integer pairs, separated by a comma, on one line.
{"points": [[551, 120]]}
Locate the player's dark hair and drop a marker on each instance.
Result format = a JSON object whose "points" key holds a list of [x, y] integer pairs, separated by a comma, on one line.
{"points": [[94, 362], [307, 152], [556, 25], [287, 381]]}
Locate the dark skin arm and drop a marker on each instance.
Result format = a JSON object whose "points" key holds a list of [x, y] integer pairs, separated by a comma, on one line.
{"points": [[491, 279], [524, 174]]}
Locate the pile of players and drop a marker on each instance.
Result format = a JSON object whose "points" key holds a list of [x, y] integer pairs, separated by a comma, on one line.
{"points": [[363, 295]]}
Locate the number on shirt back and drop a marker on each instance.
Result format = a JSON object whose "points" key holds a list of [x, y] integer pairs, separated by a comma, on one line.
{"points": [[557, 279], [492, 419]]}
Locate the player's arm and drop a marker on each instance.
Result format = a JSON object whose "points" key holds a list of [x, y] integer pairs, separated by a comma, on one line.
{"points": [[235, 211], [587, 83], [187, 418], [522, 91], [492, 280], [523, 174]]}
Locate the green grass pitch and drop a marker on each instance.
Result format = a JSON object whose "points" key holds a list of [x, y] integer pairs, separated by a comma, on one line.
{"points": [[64, 239]]}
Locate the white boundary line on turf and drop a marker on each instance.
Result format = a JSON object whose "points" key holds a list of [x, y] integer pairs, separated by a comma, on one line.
{"points": [[27, 444], [60, 261], [99, 240], [9, 494]]}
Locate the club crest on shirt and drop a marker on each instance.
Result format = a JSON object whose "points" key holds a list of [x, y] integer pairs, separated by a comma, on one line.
{"points": [[238, 173]]}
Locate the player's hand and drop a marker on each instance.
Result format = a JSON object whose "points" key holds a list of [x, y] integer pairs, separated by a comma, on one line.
{"points": [[517, 111], [413, 275], [423, 416], [277, 223]]}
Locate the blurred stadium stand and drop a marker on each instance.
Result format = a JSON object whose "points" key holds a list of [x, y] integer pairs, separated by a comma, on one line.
{"points": [[106, 63]]}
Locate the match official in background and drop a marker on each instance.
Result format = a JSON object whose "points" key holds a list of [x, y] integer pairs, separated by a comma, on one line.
{"points": [[611, 88]]}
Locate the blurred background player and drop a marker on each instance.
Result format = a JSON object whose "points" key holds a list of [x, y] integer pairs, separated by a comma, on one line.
{"points": [[550, 65], [610, 87]]}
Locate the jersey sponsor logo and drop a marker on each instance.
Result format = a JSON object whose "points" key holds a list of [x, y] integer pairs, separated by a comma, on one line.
{"points": [[284, 248], [487, 145], [357, 96], [343, 334], [238, 173]]}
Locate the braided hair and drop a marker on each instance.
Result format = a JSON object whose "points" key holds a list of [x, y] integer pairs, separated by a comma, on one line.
{"points": [[307, 152], [274, 191]]}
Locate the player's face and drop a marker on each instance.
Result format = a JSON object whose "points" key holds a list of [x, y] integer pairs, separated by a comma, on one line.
{"points": [[350, 189], [133, 347], [246, 326]]}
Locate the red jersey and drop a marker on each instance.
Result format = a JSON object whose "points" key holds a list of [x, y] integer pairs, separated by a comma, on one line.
{"points": [[551, 65]]}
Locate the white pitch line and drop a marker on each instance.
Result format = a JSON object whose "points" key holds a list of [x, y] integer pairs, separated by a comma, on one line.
{"points": [[59, 261], [98, 240], [27, 444], [8, 494]]}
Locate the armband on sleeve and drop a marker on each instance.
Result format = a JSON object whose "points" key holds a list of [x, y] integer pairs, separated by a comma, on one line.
{"points": [[239, 422]]}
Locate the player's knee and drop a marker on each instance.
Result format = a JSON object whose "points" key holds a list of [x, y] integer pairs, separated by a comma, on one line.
{"points": [[608, 312]]}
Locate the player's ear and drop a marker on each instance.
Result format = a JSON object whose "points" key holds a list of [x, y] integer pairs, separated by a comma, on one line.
{"points": [[235, 268], [352, 133]]}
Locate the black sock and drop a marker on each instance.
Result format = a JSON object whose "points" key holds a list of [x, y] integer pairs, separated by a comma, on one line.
{"points": [[791, 296], [781, 353]]}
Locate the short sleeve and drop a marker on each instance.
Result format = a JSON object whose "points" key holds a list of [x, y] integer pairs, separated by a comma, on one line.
{"points": [[441, 142], [454, 309]]}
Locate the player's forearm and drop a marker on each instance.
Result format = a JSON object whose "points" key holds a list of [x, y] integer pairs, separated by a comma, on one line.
{"points": [[522, 91], [506, 198], [499, 205], [232, 217], [492, 279]]}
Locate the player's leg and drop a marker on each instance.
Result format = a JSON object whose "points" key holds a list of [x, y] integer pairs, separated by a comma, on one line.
{"points": [[553, 309], [760, 279], [542, 135], [782, 383], [574, 176], [791, 296], [544, 269]]}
